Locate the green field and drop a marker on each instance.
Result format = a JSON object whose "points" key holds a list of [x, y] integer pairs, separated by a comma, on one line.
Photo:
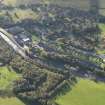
{"points": [[73, 3], [6, 78], [18, 2], [20, 14], [11, 101], [81, 4], [85, 92], [102, 27]]}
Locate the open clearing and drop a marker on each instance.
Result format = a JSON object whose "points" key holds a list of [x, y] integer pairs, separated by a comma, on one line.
{"points": [[85, 92]]}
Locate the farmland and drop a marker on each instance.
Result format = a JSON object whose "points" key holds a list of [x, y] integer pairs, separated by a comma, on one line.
{"points": [[19, 14], [73, 3], [6, 78], [11, 101], [77, 3], [81, 4], [85, 92]]}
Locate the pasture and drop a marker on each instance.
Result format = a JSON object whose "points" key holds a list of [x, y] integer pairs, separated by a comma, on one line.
{"points": [[85, 92], [6, 78], [11, 101]]}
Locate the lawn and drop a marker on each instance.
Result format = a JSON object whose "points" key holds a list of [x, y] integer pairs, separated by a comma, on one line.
{"points": [[85, 92], [11, 101], [6, 78]]}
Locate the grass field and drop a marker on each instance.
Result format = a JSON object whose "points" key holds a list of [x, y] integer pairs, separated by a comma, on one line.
{"points": [[20, 14], [6, 78], [102, 27], [18, 2], [73, 3], [11, 101], [85, 92]]}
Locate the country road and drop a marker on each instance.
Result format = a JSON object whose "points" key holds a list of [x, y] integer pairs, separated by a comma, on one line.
{"points": [[17, 48], [5, 36]]}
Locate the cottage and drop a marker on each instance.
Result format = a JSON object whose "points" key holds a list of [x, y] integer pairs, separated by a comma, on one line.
{"points": [[23, 38]]}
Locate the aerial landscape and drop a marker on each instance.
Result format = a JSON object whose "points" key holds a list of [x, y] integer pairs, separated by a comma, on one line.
{"points": [[52, 52]]}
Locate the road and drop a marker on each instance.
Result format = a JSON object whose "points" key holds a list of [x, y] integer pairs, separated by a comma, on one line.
{"points": [[11, 41], [7, 38]]}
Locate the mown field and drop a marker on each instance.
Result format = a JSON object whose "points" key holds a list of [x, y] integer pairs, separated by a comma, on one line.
{"points": [[73, 3], [18, 2], [81, 4], [85, 92], [11, 101], [102, 28], [20, 14], [17, 14], [6, 78]]}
